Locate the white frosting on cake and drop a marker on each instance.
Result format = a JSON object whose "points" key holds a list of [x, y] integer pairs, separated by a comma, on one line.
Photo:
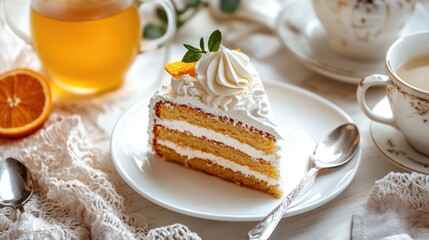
{"points": [[226, 83], [193, 153], [225, 73]]}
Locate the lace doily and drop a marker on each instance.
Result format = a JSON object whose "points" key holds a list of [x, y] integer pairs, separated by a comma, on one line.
{"points": [[398, 208], [75, 195]]}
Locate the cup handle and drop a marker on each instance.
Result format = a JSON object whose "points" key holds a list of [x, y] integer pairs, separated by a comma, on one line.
{"points": [[10, 27], [147, 45], [364, 85]]}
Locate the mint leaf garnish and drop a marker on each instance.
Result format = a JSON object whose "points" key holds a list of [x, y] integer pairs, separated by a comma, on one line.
{"points": [[191, 56], [192, 48], [202, 44], [194, 54], [214, 41]]}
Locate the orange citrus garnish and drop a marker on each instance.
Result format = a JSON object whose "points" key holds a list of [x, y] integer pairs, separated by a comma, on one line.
{"points": [[177, 69], [25, 102]]}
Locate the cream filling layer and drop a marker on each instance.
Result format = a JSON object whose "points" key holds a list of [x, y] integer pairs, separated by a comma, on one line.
{"points": [[193, 153], [183, 126]]}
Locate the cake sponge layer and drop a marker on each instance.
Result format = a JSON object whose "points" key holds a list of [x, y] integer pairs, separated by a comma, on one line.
{"points": [[251, 136], [211, 168], [216, 148]]}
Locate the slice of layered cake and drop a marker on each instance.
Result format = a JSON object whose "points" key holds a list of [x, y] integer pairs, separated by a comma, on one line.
{"points": [[215, 118]]}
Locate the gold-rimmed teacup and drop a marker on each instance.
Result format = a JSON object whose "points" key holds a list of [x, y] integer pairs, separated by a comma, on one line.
{"points": [[407, 89]]}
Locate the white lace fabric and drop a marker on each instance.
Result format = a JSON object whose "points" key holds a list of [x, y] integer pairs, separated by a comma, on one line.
{"points": [[75, 195], [398, 208]]}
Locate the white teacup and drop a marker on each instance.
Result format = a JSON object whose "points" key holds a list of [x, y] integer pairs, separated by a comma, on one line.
{"points": [[363, 29], [407, 62]]}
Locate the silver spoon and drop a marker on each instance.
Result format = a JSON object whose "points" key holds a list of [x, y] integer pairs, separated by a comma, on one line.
{"points": [[336, 149], [16, 184]]}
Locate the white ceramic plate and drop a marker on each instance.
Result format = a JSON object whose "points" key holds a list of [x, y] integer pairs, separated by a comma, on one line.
{"points": [[302, 33], [393, 144], [305, 118]]}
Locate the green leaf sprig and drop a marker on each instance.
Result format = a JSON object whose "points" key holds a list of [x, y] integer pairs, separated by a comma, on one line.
{"points": [[183, 11], [194, 54]]}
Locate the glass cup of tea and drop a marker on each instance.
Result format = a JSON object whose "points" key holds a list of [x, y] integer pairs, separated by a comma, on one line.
{"points": [[87, 46], [407, 89]]}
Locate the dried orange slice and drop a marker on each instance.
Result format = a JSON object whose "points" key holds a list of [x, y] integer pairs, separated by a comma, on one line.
{"points": [[177, 69], [25, 102]]}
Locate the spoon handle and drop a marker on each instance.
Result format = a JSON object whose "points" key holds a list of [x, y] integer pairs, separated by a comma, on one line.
{"points": [[263, 230]]}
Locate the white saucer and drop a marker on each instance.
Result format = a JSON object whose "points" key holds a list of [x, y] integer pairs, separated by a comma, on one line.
{"points": [[392, 143], [305, 118], [301, 32]]}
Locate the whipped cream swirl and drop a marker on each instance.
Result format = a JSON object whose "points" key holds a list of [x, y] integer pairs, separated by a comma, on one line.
{"points": [[224, 73], [226, 80]]}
